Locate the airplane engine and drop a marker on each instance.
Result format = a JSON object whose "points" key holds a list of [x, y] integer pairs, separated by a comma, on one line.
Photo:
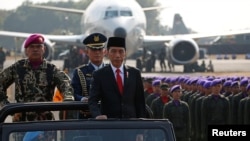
{"points": [[183, 51], [49, 49]]}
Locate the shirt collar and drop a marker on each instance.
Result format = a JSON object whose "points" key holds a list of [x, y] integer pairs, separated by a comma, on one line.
{"points": [[43, 65], [97, 67], [114, 68]]}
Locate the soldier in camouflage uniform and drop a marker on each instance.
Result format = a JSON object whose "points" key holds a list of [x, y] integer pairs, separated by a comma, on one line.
{"points": [[34, 76], [82, 75], [2, 58]]}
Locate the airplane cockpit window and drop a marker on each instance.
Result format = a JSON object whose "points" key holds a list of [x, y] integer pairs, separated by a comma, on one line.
{"points": [[126, 13], [111, 14]]}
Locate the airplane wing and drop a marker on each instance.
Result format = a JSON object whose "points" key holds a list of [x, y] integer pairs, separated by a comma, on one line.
{"points": [[183, 48], [154, 8], [50, 41], [69, 39], [68, 10], [195, 36]]}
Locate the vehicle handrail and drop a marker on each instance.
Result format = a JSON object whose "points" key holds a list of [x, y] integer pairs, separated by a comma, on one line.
{"points": [[12, 108]]}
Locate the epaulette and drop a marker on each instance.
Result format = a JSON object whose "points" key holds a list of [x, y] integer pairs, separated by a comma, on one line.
{"points": [[82, 66], [83, 82], [21, 60]]}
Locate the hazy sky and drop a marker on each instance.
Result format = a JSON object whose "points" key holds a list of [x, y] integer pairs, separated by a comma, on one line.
{"points": [[199, 15], [209, 15]]}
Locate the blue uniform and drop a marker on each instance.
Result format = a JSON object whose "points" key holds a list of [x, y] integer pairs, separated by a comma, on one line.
{"points": [[81, 84], [87, 71], [82, 75]]}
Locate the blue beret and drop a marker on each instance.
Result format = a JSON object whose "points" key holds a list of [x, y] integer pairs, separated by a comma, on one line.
{"points": [[174, 88], [185, 80], [163, 79], [34, 39], [193, 81], [234, 83], [95, 41], [156, 82], [202, 81], [173, 80], [188, 81], [210, 78], [236, 78], [167, 80], [216, 82], [207, 84], [223, 80], [248, 87], [227, 83], [181, 79], [244, 81]]}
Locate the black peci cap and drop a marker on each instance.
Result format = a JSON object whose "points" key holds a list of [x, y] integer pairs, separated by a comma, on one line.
{"points": [[117, 42], [95, 41]]}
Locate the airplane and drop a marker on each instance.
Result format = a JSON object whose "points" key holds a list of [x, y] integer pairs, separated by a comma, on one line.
{"points": [[126, 19]]}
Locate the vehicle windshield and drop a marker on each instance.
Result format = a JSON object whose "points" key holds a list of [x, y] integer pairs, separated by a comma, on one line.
{"points": [[61, 123], [91, 135]]}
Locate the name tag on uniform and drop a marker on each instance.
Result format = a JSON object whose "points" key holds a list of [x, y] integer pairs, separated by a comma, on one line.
{"points": [[89, 75]]}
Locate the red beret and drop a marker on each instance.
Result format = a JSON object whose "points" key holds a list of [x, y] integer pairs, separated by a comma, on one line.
{"points": [[34, 39]]}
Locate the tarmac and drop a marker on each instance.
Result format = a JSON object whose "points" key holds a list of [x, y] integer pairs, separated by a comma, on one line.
{"points": [[238, 67], [230, 67]]}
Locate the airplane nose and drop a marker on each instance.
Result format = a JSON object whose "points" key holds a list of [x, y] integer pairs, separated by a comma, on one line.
{"points": [[120, 32]]}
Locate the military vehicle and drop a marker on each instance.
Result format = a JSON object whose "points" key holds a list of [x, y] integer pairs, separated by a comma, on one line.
{"points": [[60, 128]]}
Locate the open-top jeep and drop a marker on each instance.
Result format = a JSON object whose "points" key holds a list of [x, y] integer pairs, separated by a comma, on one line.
{"points": [[59, 128]]}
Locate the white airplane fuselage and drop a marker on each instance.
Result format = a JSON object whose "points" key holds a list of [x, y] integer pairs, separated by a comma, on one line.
{"points": [[116, 18]]}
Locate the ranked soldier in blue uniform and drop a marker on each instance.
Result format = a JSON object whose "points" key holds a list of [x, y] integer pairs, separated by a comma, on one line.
{"points": [[82, 75]]}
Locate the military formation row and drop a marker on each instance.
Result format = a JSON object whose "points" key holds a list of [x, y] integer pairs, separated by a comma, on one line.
{"points": [[206, 100]]}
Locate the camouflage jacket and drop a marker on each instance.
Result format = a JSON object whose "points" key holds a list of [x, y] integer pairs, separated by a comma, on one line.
{"points": [[33, 83]]}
